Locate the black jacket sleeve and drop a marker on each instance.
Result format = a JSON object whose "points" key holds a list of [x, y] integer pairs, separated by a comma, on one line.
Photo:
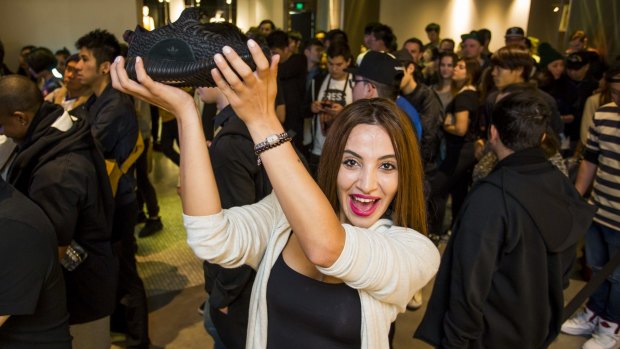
{"points": [[454, 317]]}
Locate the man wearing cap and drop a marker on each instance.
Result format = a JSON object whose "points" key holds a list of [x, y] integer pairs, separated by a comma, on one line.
{"points": [[473, 46], [515, 36], [432, 32], [378, 75], [571, 92]]}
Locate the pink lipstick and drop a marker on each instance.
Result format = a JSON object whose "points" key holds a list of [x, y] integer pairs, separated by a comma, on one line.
{"points": [[363, 205]]}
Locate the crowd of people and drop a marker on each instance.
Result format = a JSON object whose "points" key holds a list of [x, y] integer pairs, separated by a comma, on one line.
{"points": [[315, 187]]}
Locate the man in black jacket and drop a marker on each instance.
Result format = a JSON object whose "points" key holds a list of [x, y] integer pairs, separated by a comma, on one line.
{"points": [[115, 126], [33, 303], [240, 181], [58, 166], [503, 272], [292, 71]]}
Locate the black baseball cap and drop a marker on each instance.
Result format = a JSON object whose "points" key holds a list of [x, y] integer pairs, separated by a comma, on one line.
{"points": [[473, 35], [379, 67], [515, 32], [577, 60]]}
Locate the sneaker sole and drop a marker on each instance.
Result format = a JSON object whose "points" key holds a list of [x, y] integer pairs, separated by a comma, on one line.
{"points": [[576, 332]]}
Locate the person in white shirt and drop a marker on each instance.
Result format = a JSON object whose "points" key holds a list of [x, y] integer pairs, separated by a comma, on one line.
{"points": [[335, 93]]}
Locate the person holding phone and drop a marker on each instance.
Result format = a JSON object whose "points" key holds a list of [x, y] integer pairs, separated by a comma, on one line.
{"points": [[335, 93]]}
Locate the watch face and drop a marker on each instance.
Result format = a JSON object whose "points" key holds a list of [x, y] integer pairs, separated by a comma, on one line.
{"points": [[273, 139]]}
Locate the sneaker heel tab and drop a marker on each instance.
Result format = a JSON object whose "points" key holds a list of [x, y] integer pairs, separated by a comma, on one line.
{"points": [[128, 35]]}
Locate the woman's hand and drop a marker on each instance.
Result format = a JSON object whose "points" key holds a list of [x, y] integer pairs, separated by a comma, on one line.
{"points": [[251, 94], [170, 98]]}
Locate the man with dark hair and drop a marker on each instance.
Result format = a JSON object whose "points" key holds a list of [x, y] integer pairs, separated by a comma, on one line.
{"points": [[501, 280], [61, 57], [513, 65], [333, 95], [292, 72], [432, 32], [571, 91], [41, 61], [72, 94], [33, 303], [425, 100], [485, 34], [115, 126], [383, 39], [447, 45], [336, 36], [368, 33], [599, 171], [266, 27], [415, 48], [59, 167], [22, 69], [473, 46]]}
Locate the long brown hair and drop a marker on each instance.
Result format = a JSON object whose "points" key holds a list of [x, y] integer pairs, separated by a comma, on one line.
{"points": [[408, 206], [472, 73]]}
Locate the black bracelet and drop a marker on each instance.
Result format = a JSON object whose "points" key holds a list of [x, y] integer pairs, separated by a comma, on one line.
{"points": [[270, 142]]}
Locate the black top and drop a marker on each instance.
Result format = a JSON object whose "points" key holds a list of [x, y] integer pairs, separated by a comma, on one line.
{"points": [[240, 181], [31, 287], [115, 126], [467, 100], [307, 313], [64, 173], [571, 97], [292, 81], [425, 100]]}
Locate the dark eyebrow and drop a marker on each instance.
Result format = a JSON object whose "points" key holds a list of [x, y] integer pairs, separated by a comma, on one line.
{"points": [[381, 158]]}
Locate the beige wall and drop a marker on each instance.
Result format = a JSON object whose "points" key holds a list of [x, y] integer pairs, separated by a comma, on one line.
{"points": [[59, 23], [251, 12], [409, 17]]}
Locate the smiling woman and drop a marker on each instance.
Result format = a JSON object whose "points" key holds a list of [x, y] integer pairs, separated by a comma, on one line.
{"points": [[331, 247], [375, 151]]}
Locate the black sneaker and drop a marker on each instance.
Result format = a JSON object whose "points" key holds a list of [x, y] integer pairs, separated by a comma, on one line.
{"points": [[152, 226], [141, 217], [181, 53]]}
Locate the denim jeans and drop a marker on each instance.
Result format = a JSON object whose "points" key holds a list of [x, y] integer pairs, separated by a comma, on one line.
{"points": [[602, 243], [211, 330]]}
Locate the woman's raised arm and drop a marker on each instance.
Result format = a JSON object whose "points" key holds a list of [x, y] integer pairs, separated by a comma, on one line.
{"points": [[252, 95], [198, 188]]}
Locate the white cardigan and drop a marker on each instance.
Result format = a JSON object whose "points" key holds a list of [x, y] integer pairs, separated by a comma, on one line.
{"points": [[387, 264]]}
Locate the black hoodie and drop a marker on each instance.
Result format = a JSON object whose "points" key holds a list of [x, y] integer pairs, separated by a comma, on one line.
{"points": [[59, 167], [503, 272]]}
